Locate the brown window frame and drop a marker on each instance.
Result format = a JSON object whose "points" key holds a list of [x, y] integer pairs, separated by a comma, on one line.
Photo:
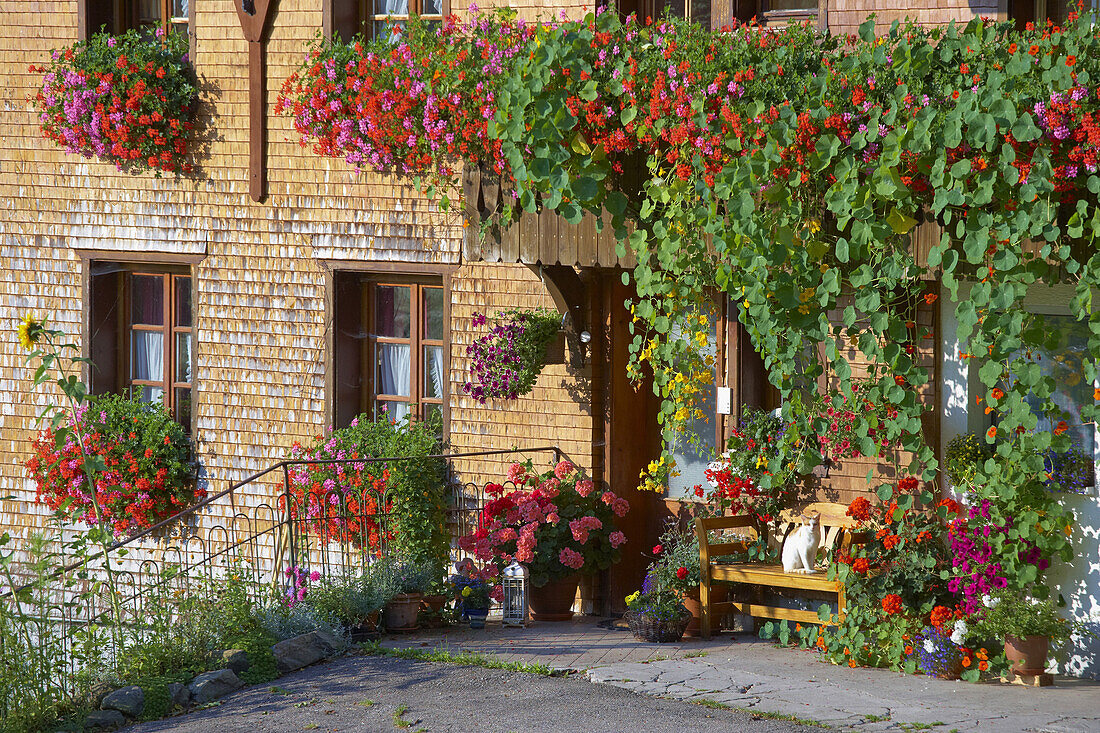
{"points": [[355, 383], [171, 276], [353, 17]]}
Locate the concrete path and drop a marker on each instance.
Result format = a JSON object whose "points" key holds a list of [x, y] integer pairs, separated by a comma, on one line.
{"points": [[385, 694], [744, 672]]}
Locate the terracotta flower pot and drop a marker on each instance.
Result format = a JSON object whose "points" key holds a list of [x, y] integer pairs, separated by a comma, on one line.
{"points": [[433, 608], [401, 612], [1028, 656], [718, 594], [554, 601]]}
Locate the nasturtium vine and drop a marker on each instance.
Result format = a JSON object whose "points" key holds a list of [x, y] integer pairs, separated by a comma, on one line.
{"points": [[789, 170]]}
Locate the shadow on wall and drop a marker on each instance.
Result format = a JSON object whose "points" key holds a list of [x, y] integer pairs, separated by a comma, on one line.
{"points": [[1079, 584], [207, 131]]}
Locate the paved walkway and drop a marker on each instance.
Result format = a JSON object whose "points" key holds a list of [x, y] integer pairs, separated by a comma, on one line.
{"points": [[744, 672]]}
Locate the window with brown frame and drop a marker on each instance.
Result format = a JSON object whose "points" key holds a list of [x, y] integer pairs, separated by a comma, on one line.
{"points": [[141, 334], [119, 16], [349, 18], [390, 347]]}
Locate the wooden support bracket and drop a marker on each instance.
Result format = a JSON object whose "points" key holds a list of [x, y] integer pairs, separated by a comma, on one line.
{"points": [[570, 294], [253, 15]]}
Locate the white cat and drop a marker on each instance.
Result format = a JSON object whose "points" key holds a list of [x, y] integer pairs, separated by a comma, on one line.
{"points": [[801, 545]]}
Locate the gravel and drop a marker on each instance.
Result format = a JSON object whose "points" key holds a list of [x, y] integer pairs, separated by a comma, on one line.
{"points": [[376, 693]]}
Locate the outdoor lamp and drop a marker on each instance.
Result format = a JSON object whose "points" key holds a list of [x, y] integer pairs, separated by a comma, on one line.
{"points": [[514, 583]]}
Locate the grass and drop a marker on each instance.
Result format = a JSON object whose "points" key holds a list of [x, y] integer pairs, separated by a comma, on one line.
{"points": [[870, 718], [399, 717], [471, 659], [366, 703], [279, 691], [757, 714], [694, 655]]}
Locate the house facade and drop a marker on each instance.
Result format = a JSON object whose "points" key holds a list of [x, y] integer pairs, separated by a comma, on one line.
{"points": [[263, 322]]}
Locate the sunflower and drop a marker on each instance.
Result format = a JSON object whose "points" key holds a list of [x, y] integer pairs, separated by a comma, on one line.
{"points": [[30, 329]]}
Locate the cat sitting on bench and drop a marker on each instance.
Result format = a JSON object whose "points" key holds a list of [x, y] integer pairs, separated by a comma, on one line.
{"points": [[800, 547]]}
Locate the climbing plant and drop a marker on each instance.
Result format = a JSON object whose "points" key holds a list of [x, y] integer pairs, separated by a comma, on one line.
{"points": [[790, 169]]}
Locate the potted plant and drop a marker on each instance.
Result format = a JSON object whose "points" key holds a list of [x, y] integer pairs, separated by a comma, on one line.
{"points": [[557, 524], [406, 584], [1027, 625], [676, 566], [354, 602], [475, 602], [506, 362], [657, 615]]}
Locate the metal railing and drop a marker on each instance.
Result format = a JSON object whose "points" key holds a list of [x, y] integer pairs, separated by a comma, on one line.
{"points": [[334, 530]]}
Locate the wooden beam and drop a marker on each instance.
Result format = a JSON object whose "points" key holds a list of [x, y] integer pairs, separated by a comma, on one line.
{"points": [[253, 15]]}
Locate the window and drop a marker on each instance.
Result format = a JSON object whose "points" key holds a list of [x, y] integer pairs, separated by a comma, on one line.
{"points": [[783, 10], [141, 336], [390, 347], [119, 16], [348, 18], [696, 10]]}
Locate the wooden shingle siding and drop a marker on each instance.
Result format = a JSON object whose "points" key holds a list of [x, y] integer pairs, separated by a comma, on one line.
{"points": [[546, 238], [260, 307]]}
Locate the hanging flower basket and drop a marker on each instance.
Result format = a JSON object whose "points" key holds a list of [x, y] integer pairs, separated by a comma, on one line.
{"points": [[506, 362], [127, 100]]}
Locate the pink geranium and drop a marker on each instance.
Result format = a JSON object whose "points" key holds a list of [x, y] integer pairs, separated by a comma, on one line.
{"points": [[571, 558]]}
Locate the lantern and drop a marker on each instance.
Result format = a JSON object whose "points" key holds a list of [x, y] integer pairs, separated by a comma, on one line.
{"points": [[514, 584]]}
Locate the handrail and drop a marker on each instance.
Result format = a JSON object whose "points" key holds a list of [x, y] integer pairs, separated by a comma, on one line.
{"points": [[284, 464]]}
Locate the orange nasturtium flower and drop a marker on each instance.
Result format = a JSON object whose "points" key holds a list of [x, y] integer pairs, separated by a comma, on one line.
{"points": [[1061, 427], [992, 432], [998, 393]]}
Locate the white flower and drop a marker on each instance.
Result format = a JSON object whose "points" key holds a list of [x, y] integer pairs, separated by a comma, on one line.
{"points": [[929, 646], [958, 634], [989, 601]]}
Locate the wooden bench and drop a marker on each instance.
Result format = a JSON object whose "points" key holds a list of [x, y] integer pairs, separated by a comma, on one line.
{"points": [[837, 528]]}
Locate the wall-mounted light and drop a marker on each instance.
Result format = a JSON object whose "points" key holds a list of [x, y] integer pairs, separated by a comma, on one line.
{"points": [[585, 337]]}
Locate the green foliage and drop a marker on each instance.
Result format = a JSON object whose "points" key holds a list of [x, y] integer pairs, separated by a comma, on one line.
{"points": [[506, 362], [678, 549], [415, 487], [352, 599], [1021, 615], [965, 454]]}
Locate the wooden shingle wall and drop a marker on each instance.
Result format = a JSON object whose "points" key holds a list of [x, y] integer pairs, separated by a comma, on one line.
{"points": [[260, 363], [845, 16]]}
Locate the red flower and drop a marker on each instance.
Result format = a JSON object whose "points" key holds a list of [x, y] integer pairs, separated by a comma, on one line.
{"points": [[891, 603], [1071, 60], [940, 615], [860, 509], [682, 573], [658, 549], [861, 565], [992, 432], [1012, 48], [1061, 427], [930, 298]]}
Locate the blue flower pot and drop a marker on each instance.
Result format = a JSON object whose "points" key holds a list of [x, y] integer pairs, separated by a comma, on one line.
{"points": [[477, 617]]}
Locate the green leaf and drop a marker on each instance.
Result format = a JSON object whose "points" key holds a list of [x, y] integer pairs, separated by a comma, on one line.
{"points": [[899, 222]]}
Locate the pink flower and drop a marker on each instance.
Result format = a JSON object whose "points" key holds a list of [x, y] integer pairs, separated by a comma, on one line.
{"points": [[585, 487], [553, 518], [608, 498], [314, 576], [497, 593], [570, 558], [616, 539], [517, 474], [620, 507], [563, 469]]}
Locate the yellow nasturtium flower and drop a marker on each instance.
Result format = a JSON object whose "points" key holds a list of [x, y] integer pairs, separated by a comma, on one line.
{"points": [[466, 592]]}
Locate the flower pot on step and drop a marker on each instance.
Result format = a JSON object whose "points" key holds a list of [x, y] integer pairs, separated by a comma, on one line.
{"points": [[401, 612], [477, 617], [1028, 656], [432, 606], [554, 601]]}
